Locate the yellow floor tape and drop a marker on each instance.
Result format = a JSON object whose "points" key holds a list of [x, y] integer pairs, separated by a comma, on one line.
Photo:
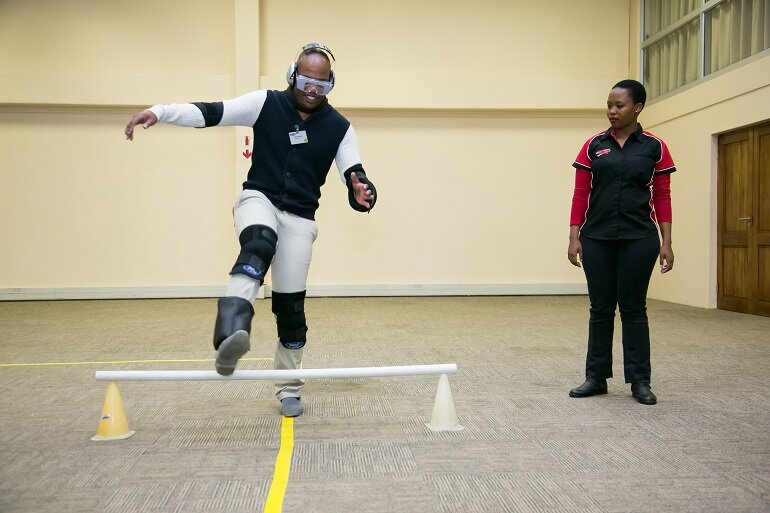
{"points": [[274, 502]]}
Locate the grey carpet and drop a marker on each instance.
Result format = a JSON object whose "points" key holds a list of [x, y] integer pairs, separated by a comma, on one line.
{"points": [[362, 445]]}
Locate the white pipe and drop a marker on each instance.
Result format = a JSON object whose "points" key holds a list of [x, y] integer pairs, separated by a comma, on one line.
{"points": [[350, 372]]}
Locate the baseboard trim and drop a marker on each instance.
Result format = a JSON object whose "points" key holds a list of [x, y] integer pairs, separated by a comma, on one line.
{"points": [[47, 294], [501, 289], [509, 289]]}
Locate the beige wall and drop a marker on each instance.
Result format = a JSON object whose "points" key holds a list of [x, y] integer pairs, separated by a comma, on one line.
{"points": [[468, 115], [454, 54], [690, 123]]}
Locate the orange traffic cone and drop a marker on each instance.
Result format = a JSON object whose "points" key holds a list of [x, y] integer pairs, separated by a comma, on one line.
{"points": [[113, 424], [444, 417]]}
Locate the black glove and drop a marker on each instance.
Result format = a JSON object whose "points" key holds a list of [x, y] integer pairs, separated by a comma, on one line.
{"points": [[351, 194]]}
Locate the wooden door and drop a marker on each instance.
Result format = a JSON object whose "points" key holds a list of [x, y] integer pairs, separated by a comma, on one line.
{"points": [[743, 264]]}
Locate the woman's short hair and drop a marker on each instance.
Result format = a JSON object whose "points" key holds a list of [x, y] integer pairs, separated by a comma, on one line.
{"points": [[635, 89]]}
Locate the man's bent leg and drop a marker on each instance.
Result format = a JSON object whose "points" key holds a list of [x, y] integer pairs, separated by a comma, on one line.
{"points": [[255, 223]]}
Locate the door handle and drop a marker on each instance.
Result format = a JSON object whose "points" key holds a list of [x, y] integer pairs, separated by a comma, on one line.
{"points": [[748, 219]]}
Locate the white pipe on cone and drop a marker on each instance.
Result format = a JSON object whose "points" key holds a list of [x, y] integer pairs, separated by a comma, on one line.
{"points": [[351, 372]]}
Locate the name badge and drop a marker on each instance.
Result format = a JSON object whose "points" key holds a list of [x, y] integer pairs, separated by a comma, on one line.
{"points": [[298, 137]]}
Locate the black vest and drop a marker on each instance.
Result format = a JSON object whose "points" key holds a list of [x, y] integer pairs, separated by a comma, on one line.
{"points": [[289, 175]]}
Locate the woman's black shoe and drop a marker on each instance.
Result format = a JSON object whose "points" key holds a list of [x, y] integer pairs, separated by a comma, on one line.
{"points": [[589, 388], [643, 394]]}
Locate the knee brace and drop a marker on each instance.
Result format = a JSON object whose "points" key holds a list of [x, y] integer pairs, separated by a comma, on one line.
{"points": [[233, 314], [257, 250], [289, 310]]}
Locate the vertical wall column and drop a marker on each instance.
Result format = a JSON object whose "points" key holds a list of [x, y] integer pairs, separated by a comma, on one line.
{"points": [[247, 71], [247, 50]]}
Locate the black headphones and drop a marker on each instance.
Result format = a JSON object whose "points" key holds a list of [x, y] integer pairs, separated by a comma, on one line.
{"points": [[291, 73]]}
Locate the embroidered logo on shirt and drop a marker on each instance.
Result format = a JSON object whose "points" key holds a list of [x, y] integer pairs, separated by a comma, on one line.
{"points": [[603, 152]]}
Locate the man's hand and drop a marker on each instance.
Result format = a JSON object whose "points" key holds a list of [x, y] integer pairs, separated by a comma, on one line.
{"points": [[361, 192], [145, 118]]}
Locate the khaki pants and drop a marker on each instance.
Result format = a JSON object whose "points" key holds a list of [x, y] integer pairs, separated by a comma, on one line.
{"points": [[288, 272]]}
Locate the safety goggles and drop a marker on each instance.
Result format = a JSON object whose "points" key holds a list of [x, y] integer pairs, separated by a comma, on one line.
{"points": [[311, 85]]}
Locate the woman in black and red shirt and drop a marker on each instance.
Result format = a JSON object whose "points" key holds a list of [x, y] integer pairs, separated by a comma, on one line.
{"points": [[621, 199]]}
